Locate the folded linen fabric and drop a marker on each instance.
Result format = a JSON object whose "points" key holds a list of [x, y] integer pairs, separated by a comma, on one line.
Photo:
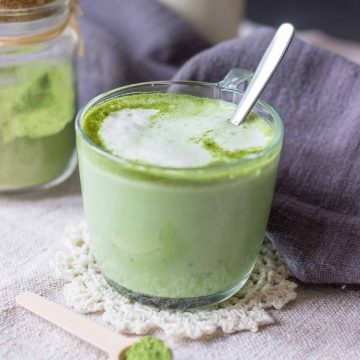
{"points": [[315, 218]]}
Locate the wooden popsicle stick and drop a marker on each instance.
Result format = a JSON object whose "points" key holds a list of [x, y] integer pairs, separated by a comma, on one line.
{"points": [[77, 325]]}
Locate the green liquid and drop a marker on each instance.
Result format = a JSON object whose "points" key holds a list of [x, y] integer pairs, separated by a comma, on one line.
{"points": [[183, 234]]}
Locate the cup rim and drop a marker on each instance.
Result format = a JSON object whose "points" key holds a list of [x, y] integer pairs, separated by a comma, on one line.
{"points": [[279, 130]]}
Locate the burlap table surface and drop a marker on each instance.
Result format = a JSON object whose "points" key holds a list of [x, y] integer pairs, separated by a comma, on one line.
{"points": [[323, 323]]}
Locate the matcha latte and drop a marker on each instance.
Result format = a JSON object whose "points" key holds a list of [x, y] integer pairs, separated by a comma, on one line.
{"points": [[176, 197]]}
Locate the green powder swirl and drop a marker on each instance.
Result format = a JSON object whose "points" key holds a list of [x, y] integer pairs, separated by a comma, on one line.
{"points": [[164, 103], [220, 155], [148, 348]]}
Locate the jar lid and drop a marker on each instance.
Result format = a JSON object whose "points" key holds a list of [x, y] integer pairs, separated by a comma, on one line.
{"points": [[22, 4], [29, 10]]}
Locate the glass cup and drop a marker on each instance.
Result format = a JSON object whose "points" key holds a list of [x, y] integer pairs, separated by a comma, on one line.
{"points": [[178, 238]]}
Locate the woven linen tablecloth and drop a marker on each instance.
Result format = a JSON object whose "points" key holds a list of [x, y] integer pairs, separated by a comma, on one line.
{"points": [[323, 322]]}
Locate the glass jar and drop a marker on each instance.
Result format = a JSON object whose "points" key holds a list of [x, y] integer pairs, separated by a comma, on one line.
{"points": [[38, 47]]}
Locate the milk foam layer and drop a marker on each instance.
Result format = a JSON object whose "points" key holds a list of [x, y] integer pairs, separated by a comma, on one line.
{"points": [[175, 130]]}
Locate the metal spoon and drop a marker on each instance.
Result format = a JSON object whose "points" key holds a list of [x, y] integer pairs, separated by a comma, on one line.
{"points": [[267, 66]]}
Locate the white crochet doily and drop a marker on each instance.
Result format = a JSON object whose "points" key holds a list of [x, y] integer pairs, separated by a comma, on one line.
{"points": [[87, 292]]}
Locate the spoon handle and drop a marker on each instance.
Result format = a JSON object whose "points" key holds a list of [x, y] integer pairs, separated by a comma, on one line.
{"points": [[77, 325], [268, 64]]}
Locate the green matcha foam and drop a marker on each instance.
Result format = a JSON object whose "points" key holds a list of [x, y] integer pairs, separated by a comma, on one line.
{"points": [[172, 130]]}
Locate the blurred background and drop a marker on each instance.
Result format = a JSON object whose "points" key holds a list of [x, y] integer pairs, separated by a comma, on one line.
{"points": [[331, 24], [340, 18]]}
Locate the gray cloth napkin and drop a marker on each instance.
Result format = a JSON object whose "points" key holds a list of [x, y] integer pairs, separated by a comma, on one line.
{"points": [[315, 218]]}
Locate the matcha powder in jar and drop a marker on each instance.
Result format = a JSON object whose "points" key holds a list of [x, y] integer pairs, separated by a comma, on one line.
{"points": [[38, 47]]}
